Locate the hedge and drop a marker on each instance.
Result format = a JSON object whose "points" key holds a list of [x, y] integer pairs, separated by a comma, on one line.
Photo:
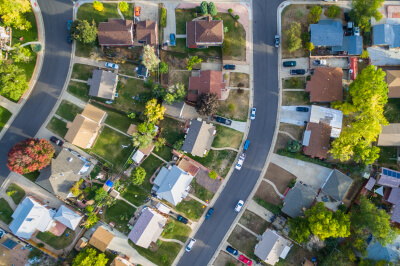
{"points": [[163, 17]]}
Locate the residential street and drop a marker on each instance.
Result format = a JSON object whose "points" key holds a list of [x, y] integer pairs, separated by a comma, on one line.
{"points": [[50, 83]]}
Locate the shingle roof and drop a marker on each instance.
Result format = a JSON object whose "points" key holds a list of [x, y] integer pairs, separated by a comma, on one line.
{"points": [[390, 135], [319, 138], [174, 109], [370, 184], [148, 228], [68, 217], [389, 178], [329, 116], [101, 238], [327, 33], [296, 199], [352, 44], [386, 34], [326, 85], [270, 247], [394, 198], [199, 138], [393, 82], [209, 81], [337, 185], [115, 32], [103, 84], [204, 32], [146, 30]]}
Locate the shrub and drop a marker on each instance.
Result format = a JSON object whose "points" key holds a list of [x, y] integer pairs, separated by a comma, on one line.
{"points": [[197, 9], [123, 6], [226, 29], [163, 68], [305, 37], [226, 76], [231, 107], [164, 258], [138, 175], [237, 17], [364, 54], [213, 175], [240, 91], [292, 183], [230, 10], [40, 245], [98, 6], [342, 208], [36, 47], [309, 46], [315, 13], [293, 37], [163, 17], [333, 11], [212, 9], [204, 8]]}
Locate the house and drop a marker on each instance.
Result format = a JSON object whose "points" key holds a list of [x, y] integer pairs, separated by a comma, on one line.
{"points": [[142, 72], [147, 32], [388, 253], [316, 140], [386, 35], [352, 45], [103, 84], [298, 200], [148, 228], [390, 135], [115, 32], [31, 215], [329, 116], [68, 217], [272, 247], [204, 33], [326, 33], [120, 261], [63, 172], [394, 198], [208, 81], [199, 137], [85, 128], [174, 109], [101, 238], [388, 178], [393, 82], [172, 184], [326, 85]]}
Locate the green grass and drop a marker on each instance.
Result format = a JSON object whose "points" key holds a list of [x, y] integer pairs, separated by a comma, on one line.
{"points": [[30, 35], [201, 192], [294, 83], [227, 137], [181, 18], [128, 88], [19, 193], [150, 164], [172, 130], [96, 170], [219, 161], [392, 110], [119, 213], [79, 90], [295, 98], [57, 126], [169, 249], [5, 211], [68, 110], [129, 13], [135, 194], [192, 209], [236, 36], [29, 67], [271, 207], [82, 72], [127, 68], [108, 146], [180, 231], [388, 156], [4, 117], [57, 242], [87, 12], [181, 47], [165, 152], [32, 176], [85, 50]]}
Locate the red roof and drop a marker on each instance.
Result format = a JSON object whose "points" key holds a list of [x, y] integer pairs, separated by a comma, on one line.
{"points": [[209, 81], [204, 32]]}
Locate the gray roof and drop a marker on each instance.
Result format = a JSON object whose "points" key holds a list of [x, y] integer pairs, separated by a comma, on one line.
{"points": [[327, 33], [68, 217], [352, 44], [103, 84], [389, 178], [296, 199], [63, 173], [174, 109], [199, 138], [270, 248], [336, 185], [385, 34]]}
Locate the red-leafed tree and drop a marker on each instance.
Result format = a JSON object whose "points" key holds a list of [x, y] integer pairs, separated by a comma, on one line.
{"points": [[30, 155]]}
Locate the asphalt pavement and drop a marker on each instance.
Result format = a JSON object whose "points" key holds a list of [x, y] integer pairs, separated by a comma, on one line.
{"points": [[50, 83], [241, 183]]}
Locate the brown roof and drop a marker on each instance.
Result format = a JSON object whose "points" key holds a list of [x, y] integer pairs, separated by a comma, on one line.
{"points": [[101, 239], [204, 32], [390, 135], [393, 82], [209, 81], [148, 149], [188, 167], [326, 85], [82, 242], [115, 32], [147, 31], [119, 261], [103, 84], [319, 140]]}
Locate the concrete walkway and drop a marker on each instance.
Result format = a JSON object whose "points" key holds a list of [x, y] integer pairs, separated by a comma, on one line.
{"points": [[171, 21], [199, 200], [88, 61], [113, 128], [71, 98], [9, 48], [9, 105], [293, 89], [236, 125], [172, 240], [288, 134], [79, 80], [130, 203], [132, 77], [260, 210], [159, 157], [273, 185], [181, 36], [120, 13], [224, 148]]}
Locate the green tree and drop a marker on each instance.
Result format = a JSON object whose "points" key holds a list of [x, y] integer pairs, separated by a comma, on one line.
{"points": [[138, 175], [163, 17], [154, 111], [299, 229], [123, 6], [365, 54], [293, 146], [178, 144], [35, 253], [89, 257], [207, 104], [237, 17], [363, 10], [13, 13], [98, 6], [333, 11], [230, 10], [175, 93], [212, 9], [21, 54], [159, 144], [76, 188], [150, 59], [89, 208], [101, 194], [204, 7], [293, 37], [146, 128], [309, 46], [213, 175], [84, 32], [13, 82], [192, 61], [91, 220], [324, 223], [315, 13], [141, 141], [131, 115], [163, 68]]}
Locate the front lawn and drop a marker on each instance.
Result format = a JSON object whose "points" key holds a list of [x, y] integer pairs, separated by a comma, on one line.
{"points": [[68, 110], [227, 137], [165, 152], [5, 211], [129, 13], [243, 241], [130, 93], [57, 126], [17, 193], [57, 242], [191, 209], [150, 164], [119, 213], [109, 147], [181, 47], [32, 176], [172, 130], [294, 83], [201, 192], [392, 110], [87, 12], [86, 49], [180, 231], [295, 98], [79, 90], [239, 80], [82, 72], [219, 161], [236, 107], [135, 194], [253, 222], [165, 254], [4, 117], [235, 38]]}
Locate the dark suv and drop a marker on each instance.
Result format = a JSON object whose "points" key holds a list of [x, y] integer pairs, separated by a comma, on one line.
{"points": [[289, 63], [232, 67], [297, 71], [182, 219], [232, 250]]}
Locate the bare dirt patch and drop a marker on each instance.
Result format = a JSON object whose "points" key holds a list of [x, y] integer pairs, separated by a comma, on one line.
{"points": [[296, 256], [295, 131], [224, 259], [267, 193], [178, 76], [253, 222], [281, 141], [240, 101], [239, 80], [175, 60], [280, 177], [242, 240], [295, 98]]}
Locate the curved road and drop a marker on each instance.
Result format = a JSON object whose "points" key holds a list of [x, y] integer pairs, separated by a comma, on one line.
{"points": [[50, 83], [241, 183]]}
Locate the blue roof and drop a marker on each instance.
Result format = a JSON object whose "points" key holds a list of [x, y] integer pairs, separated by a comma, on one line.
{"points": [[389, 253], [9, 244], [385, 34], [109, 183], [327, 33], [352, 44]]}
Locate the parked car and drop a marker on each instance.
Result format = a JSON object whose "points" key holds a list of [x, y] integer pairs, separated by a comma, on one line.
{"points": [[69, 23], [253, 113], [277, 41], [302, 109], [289, 64], [245, 260], [190, 245], [231, 67], [222, 120], [239, 205], [297, 71], [57, 141], [232, 250], [246, 145], [69, 38], [182, 219], [356, 31], [240, 162], [111, 65], [319, 63], [137, 11], [172, 37], [209, 213]]}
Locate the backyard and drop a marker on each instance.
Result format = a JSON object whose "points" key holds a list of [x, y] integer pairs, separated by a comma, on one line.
{"points": [[5, 211], [57, 242], [150, 164], [192, 209], [392, 110], [119, 213], [295, 98], [82, 72], [68, 110], [57, 126], [219, 161], [164, 254], [243, 241], [172, 130], [15, 192], [388, 157], [227, 137], [180, 231], [164, 152], [4, 116], [236, 107], [79, 90], [130, 94], [135, 195]]}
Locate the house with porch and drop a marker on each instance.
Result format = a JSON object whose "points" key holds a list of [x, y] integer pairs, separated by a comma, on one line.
{"points": [[272, 247], [316, 140], [199, 138], [103, 84], [204, 32], [115, 32]]}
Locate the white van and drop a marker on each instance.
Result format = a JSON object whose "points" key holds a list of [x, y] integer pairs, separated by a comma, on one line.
{"points": [[190, 245]]}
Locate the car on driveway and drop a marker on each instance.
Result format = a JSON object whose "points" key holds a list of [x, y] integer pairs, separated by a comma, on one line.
{"points": [[232, 250], [229, 67], [111, 65], [172, 37], [209, 213], [302, 109], [245, 260], [182, 219], [190, 245], [69, 23], [222, 120], [277, 41], [289, 63], [239, 206], [137, 11], [253, 113], [319, 63], [297, 71], [57, 141]]}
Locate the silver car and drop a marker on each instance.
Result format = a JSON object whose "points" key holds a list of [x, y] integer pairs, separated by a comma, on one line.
{"points": [[111, 65], [253, 113]]}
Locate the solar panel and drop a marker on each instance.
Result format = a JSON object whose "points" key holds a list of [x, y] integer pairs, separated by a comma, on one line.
{"points": [[385, 172], [398, 175]]}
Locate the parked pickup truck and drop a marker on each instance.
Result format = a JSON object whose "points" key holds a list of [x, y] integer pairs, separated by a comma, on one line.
{"points": [[222, 120], [240, 161], [297, 72]]}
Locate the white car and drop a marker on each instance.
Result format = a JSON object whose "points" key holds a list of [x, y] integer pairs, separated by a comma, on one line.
{"points": [[190, 245], [253, 113], [111, 65], [239, 206], [239, 164]]}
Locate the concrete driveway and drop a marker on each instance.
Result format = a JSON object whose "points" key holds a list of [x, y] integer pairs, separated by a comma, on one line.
{"points": [[171, 21], [211, 66], [239, 69], [382, 57], [341, 62], [148, 11], [289, 115], [301, 63]]}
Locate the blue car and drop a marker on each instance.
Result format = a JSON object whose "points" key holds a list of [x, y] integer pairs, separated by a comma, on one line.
{"points": [[69, 23], [172, 37], [208, 215], [232, 250]]}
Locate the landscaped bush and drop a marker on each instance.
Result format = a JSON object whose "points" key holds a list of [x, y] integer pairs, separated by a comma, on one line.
{"points": [[333, 11], [204, 8], [230, 10], [212, 9], [293, 146], [163, 17], [292, 183], [237, 17], [315, 13], [342, 208], [36, 47], [271, 207]]}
